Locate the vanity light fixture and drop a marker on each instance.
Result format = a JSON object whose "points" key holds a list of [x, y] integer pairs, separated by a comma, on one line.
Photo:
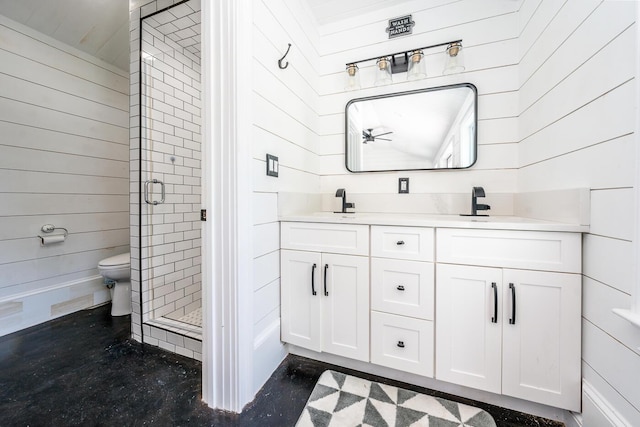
{"points": [[412, 61], [455, 60], [352, 81], [417, 68], [383, 71]]}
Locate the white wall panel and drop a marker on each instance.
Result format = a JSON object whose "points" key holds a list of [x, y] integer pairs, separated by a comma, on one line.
{"points": [[540, 73], [63, 161], [26, 42], [609, 261], [625, 410], [570, 134], [612, 213], [581, 88], [600, 166], [266, 269], [598, 302], [601, 349], [577, 114], [489, 34]]}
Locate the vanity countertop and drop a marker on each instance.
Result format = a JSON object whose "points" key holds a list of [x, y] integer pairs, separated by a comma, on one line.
{"points": [[438, 221]]}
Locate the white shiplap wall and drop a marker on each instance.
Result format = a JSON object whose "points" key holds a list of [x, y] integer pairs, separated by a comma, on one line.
{"points": [[63, 160], [489, 34], [577, 117], [285, 124]]}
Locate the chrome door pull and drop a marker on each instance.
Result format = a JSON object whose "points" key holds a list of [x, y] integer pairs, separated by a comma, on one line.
{"points": [[146, 191]]}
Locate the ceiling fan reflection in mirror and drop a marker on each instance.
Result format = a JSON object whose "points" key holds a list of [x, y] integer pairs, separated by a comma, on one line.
{"points": [[368, 136]]}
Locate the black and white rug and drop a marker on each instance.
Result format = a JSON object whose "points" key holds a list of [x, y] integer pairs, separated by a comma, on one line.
{"points": [[340, 400]]}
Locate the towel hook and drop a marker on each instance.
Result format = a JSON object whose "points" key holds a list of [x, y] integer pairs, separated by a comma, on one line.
{"points": [[284, 56]]}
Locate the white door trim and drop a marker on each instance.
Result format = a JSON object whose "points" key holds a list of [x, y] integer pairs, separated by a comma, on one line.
{"points": [[227, 365]]}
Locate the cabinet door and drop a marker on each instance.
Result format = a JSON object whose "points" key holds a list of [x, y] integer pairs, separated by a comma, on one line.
{"points": [[300, 309], [345, 305], [541, 350], [468, 341]]}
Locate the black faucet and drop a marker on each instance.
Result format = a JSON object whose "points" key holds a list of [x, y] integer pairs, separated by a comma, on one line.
{"points": [[475, 206], [342, 193]]}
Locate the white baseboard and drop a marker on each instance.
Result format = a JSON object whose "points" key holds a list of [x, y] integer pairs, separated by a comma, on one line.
{"points": [[597, 411], [268, 352], [35, 307]]}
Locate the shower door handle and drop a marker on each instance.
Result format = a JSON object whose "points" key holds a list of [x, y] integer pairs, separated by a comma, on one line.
{"points": [[146, 191]]}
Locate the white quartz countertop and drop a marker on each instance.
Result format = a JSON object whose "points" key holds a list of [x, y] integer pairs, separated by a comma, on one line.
{"points": [[438, 221]]}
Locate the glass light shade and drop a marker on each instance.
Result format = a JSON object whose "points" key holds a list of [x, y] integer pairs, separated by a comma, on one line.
{"points": [[352, 81], [455, 59], [417, 67], [383, 71]]}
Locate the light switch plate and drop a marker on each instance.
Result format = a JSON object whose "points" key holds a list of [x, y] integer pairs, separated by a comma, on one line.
{"points": [[403, 185], [272, 165]]}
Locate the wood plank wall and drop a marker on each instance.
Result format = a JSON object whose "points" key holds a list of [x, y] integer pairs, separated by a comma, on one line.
{"points": [[63, 161], [577, 123]]}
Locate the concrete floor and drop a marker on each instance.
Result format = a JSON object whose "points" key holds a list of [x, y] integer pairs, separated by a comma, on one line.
{"points": [[84, 370]]}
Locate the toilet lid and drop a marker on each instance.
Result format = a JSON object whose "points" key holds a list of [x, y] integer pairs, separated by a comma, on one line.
{"points": [[114, 261]]}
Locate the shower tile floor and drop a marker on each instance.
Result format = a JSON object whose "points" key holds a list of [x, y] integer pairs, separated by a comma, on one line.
{"points": [[194, 318], [83, 369]]}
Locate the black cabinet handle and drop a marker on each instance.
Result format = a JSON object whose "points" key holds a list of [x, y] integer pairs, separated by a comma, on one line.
{"points": [[400, 242], [326, 267], [512, 320], [494, 319], [313, 280], [400, 288], [401, 344]]}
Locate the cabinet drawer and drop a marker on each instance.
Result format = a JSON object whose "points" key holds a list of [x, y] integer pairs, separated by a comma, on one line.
{"points": [[350, 239], [413, 243], [402, 343], [402, 287], [531, 250]]}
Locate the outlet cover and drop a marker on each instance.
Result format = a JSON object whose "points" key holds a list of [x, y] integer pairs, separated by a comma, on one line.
{"points": [[403, 185], [272, 165]]}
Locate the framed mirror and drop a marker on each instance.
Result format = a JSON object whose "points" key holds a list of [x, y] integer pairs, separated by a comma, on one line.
{"points": [[426, 129]]}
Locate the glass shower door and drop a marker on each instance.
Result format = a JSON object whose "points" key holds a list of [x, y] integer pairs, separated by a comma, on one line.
{"points": [[170, 168]]}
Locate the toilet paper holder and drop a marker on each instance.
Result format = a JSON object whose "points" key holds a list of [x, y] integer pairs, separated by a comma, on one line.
{"points": [[50, 228]]}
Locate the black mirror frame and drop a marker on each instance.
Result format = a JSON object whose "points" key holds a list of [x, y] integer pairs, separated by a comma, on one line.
{"points": [[411, 92]]}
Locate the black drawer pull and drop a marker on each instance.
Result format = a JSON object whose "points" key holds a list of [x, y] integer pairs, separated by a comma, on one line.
{"points": [[313, 280], [401, 344], [326, 293], [494, 319], [400, 242], [400, 288], [512, 319]]}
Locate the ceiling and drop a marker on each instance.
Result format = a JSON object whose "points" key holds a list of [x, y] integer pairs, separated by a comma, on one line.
{"points": [[97, 27], [101, 27]]}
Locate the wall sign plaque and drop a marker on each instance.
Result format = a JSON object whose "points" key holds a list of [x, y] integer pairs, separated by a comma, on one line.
{"points": [[401, 26]]}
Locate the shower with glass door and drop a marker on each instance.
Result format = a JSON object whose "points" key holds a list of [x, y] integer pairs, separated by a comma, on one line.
{"points": [[170, 170]]}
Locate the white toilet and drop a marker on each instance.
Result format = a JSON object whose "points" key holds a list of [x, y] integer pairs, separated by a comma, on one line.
{"points": [[117, 271]]}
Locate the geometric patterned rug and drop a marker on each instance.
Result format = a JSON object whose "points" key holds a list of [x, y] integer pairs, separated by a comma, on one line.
{"points": [[340, 400]]}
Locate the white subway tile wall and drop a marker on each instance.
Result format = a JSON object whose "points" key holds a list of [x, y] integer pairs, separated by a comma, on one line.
{"points": [[171, 120]]}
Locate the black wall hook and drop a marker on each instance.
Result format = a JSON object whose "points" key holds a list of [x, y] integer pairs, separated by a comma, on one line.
{"points": [[284, 56]]}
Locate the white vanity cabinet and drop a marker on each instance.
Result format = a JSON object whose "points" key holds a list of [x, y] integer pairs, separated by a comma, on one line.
{"points": [[325, 287], [508, 313], [402, 298]]}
